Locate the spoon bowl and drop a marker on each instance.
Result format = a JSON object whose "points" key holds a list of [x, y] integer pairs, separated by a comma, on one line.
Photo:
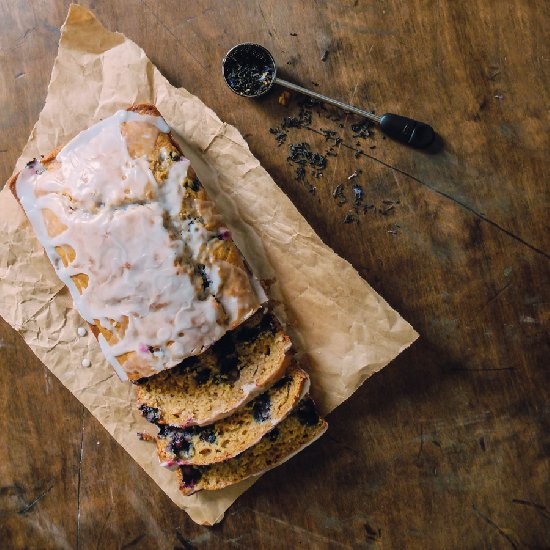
{"points": [[249, 70]]}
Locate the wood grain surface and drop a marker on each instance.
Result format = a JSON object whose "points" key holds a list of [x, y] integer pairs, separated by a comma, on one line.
{"points": [[449, 446]]}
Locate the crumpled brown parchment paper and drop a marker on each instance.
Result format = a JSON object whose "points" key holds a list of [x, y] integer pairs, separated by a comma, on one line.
{"points": [[343, 332]]}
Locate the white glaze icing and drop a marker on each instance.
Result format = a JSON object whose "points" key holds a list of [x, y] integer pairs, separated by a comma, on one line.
{"points": [[248, 388], [305, 389], [145, 264]]}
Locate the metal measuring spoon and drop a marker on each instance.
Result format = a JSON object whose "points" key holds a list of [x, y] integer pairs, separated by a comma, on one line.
{"points": [[250, 71]]}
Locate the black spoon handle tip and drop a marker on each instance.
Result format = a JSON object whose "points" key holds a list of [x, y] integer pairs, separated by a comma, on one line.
{"points": [[406, 130]]}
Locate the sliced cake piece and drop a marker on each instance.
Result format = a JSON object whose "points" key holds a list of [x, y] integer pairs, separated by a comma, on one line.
{"points": [[231, 436], [209, 387], [298, 430]]}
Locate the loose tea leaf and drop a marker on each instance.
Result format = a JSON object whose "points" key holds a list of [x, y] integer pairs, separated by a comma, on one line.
{"points": [[357, 194], [300, 153], [355, 174], [338, 194], [350, 218], [280, 136], [361, 129]]}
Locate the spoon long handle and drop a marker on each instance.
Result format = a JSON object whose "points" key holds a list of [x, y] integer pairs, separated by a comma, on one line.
{"points": [[330, 100], [403, 129]]}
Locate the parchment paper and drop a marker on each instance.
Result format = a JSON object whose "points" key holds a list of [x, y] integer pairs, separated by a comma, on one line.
{"points": [[343, 330]]}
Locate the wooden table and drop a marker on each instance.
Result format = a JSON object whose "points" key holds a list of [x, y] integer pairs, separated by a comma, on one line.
{"points": [[449, 446]]}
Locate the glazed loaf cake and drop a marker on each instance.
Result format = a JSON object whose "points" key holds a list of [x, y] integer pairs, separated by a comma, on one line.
{"points": [[298, 430], [131, 231], [211, 386], [233, 435], [151, 266]]}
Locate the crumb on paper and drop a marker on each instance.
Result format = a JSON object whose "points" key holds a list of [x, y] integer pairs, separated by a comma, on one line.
{"points": [[144, 436], [86, 363], [81, 331]]}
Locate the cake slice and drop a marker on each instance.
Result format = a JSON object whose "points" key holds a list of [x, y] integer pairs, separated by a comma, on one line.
{"points": [[233, 435], [211, 386], [298, 430], [131, 231]]}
